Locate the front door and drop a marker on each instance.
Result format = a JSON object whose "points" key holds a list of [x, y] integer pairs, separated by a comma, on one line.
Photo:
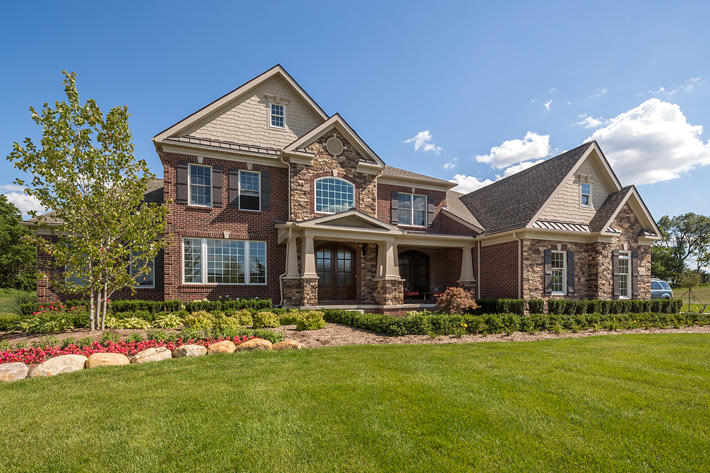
{"points": [[335, 265]]}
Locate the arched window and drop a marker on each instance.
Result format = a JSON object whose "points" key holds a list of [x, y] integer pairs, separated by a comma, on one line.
{"points": [[334, 195]]}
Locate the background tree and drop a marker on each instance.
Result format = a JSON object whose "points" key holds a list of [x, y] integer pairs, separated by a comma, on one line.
{"points": [[18, 255], [686, 238], [85, 171]]}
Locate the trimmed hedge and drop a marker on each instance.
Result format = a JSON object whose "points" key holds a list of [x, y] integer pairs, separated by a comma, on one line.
{"points": [[442, 324], [149, 306], [571, 307], [226, 304]]}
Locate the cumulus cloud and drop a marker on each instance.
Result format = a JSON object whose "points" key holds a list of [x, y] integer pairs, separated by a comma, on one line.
{"points": [[451, 164], [423, 141], [531, 147], [468, 184], [652, 143], [16, 195], [509, 171], [590, 122]]}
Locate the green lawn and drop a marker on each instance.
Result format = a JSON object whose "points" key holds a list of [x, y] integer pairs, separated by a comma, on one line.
{"points": [[703, 294], [614, 403], [7, 299]]}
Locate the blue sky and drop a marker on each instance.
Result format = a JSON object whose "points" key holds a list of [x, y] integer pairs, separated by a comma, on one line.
{"points": [[475, 87]]}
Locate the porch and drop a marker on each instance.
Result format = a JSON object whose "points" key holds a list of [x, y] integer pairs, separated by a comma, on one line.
{"points": [[353, 260]]}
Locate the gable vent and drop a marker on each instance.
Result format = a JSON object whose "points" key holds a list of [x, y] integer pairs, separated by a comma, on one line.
{"points": [[334, 145]]}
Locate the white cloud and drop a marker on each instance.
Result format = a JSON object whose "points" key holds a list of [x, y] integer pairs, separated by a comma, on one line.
{"points": [[532, 146], [590, 122], [509, 171], [422, 140], [598, 93], [688, 86], [451, 164], [547, 105], [652, 143], [22, 201], [468, 184]]}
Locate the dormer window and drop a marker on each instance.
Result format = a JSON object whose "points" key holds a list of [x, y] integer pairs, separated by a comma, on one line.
{"points": [[586, 194], [277, 117]]}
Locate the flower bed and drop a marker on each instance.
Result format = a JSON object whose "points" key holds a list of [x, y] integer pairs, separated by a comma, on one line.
{"points": [[35, 355]]}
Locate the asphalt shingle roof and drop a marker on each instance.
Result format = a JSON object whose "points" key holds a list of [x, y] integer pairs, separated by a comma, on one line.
{"points": [[608, 208], [512, 202], [456, 207], [390, 171]]}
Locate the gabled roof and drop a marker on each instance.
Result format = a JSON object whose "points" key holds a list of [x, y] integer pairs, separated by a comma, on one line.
{"points": [[350, 218], [229, 97], [336, 121], [606, 215], [513, 202], [413, 177], [456, 209], [609, 209]]}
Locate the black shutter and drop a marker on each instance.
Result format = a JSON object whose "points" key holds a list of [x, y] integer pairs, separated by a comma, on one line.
{"points": [[615, 270], [265, 190], [159, 270], [635, 274], [216, 186], [182, 183], [548, 272], [430, 211], [234, 188], [394, 207], [570, 273]]}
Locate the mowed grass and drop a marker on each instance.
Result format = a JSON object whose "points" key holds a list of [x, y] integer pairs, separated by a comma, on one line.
{"points": [[703, 295], [7, 299], [614, 403]]}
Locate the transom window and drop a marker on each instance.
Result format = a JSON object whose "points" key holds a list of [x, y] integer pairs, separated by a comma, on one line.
{"points": [[624, 274], [145, 280], [586, 191], [277, 116], [334, 195], [200, 185], [209, 261], [559, 272], [411, 209], [249, 190]]}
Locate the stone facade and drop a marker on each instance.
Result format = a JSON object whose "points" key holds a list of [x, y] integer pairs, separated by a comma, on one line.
{"points": [[344, 166], [389, 291]]}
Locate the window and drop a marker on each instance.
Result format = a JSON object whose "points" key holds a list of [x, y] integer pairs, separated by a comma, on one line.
{"points": [[586, 190], [656, 286], [334, 195], [145, 280], [249, 190], [559, 272], [277, 116], [224, 261], [624, 274], [200, 184], [412, 209]]}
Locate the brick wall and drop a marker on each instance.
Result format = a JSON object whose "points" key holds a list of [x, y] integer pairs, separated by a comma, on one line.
{"points": [[186, 221], [499, 270]]}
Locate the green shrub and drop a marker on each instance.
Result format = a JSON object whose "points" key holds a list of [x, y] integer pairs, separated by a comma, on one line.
{"points": [[290, 317], [244, 316], [456, 300], [50, 323], [110, 337], [515, 306], [224, 304], [270, 335], [167, 321], [148, 306], [9, 322], [310, 320], [127, 323], [155, 335], [200, 320], [536, 306], [224, 323], [265, 319], [85, 342]]}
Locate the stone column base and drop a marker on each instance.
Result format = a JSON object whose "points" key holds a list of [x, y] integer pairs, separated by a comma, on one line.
{"points": [[468, 285], [389, 291], [300, 292]]}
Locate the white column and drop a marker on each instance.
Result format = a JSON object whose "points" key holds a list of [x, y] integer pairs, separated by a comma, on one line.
{"points": [[308, 257], [292, 258], [466, 265], [387, 260]]}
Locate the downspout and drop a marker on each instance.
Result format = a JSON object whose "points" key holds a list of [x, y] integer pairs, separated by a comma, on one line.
{"points": [[478, 270], [288, 203], [520, 265]]}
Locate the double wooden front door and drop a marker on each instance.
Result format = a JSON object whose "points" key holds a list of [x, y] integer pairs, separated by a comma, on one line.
{"points": [[335, 265]]}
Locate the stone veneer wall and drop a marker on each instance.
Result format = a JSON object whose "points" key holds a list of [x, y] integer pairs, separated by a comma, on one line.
{"points": [[303, 178], [593, 262], [389, 291]]}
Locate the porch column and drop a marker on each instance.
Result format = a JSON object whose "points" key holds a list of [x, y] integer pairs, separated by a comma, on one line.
{"points": [[292, 259], [387, 261], [309, 257], [466, 266]]}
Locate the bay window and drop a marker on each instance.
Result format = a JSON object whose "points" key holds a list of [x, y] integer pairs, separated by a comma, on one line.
{"points": [[213, 261]]}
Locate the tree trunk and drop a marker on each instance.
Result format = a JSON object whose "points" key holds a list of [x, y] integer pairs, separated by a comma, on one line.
{"points": [[92, 320], [103, 316]]}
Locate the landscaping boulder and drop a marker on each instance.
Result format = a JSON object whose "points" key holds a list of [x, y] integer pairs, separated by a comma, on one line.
{"points": [[107, 359], [225, 346], [287, 345], [58, 365], [151, 354], [189, 350], [13, 371], [255, 344]]}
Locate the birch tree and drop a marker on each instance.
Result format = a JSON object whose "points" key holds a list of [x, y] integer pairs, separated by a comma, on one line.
{"points": [[84, 170]]}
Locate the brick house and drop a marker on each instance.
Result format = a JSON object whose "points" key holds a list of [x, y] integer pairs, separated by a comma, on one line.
{"points": [[272, 198]]}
